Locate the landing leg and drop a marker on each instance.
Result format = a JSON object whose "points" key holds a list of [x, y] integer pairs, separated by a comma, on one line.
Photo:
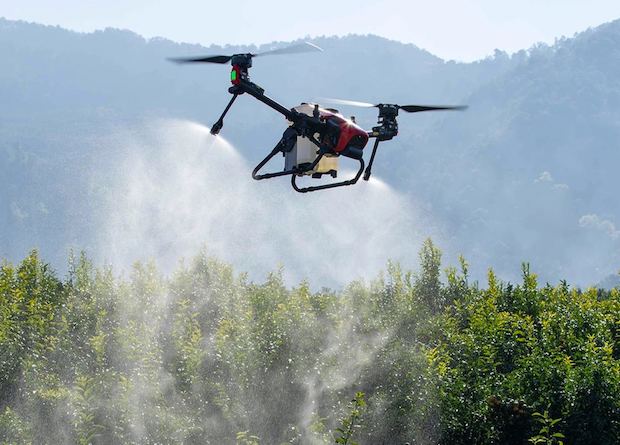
{"points": [[368, 171], [285, 145]]}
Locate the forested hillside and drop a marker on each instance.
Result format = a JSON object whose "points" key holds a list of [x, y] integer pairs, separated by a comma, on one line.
{"points": [[528, 173], [539, 174], [206, 356]]}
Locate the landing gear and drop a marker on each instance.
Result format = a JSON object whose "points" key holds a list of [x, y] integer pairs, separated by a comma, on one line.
{"points": [[327, 186]]}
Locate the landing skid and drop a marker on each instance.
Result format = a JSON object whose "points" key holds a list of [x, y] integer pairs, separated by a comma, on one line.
{"points": [[300, 171], [328, 186]]}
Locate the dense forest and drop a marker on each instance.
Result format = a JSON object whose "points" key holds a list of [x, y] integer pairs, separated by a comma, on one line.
{"points": [[207, 356]]}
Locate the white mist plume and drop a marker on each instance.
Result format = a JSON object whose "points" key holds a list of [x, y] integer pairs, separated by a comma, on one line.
{"points": [[178, 189], [353, 351], [593, 221]]}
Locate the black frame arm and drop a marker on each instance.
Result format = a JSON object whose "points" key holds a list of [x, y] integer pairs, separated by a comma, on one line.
{"points": [[245, 86], [258, 93]]}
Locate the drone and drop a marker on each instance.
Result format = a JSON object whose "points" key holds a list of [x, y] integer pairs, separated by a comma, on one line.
{"points": [[316, 136]]}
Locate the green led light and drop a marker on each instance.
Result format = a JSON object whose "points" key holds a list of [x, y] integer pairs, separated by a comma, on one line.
{"points": [[233, 75]]}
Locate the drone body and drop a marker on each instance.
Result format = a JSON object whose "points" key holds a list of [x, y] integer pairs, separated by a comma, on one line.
{"points": [[316, 136], [348, 139]]}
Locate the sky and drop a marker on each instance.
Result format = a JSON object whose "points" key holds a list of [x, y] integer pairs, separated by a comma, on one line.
{"points": [[463, 30]]}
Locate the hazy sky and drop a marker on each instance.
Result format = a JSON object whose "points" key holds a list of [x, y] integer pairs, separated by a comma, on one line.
{"points": [[452, 29]]}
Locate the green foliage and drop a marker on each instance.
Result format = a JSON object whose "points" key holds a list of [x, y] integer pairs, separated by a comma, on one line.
{"points": [[29, 298], [350, 423], [547, 435], [85, 403], [509, 350], [207, 357], [13, 429], [428, 286]]}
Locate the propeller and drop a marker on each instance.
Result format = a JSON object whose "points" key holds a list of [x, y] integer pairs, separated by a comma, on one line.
{"points": [[418, 108], [208, 59], [305, 47], [353, 103], [407, 108]]}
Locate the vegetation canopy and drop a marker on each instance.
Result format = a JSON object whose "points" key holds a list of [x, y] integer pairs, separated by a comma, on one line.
{"points": [[205, 356]]}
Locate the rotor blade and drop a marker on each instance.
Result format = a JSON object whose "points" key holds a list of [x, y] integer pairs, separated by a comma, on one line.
{"points": [[305, 47], [352, 103], [208, 59], [418, 108]]}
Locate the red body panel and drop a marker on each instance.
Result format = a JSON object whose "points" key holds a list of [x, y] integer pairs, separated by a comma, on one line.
{"points": [[350, 132], [235, 75]]}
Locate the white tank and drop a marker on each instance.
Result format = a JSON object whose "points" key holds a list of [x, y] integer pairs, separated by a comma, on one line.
{"points": [[305, 152]]}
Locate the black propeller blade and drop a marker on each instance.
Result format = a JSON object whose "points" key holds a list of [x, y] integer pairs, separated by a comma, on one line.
{"points": [[407, 108], [292, 49], [418, 108], [208, 59]]}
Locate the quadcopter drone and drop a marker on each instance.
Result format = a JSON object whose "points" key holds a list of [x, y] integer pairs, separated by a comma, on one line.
{"points": [[316, 136]]}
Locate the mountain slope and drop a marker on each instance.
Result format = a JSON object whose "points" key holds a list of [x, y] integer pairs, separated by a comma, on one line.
{"points": [[533, 165], [529, 173]]}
